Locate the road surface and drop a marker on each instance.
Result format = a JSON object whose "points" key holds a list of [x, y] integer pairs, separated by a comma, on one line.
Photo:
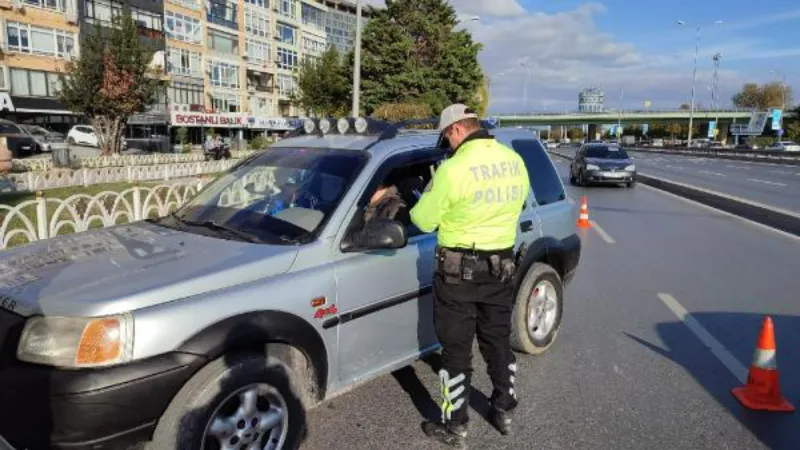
{"points": [[771, 184], [626, 372]]}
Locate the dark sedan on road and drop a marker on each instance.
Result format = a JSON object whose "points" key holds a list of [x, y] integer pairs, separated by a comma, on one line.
{"points": [[602, 163], [18, 141]]}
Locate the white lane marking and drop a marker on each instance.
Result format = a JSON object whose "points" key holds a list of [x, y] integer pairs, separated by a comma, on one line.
{"points": [[706, 172], [711, 208], [674, 167], [737, 167], [782, 172], [717, 349], [754, 180], [602, 233]]}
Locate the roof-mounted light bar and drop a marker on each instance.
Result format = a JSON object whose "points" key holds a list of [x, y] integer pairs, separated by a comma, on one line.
{"points": [[365, 126]]}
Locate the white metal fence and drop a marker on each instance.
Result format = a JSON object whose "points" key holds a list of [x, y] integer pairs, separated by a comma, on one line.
{"points": [[43, 218], [96, 162], [35, 181]]}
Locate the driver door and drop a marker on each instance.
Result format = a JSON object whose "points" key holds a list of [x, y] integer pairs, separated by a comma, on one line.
{"points": [[385, 296]]}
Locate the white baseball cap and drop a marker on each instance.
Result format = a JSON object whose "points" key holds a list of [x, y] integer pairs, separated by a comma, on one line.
{"points": [[455, 113]]}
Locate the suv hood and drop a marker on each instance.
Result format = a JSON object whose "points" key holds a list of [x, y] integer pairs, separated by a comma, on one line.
{"points": [[128, 267]]}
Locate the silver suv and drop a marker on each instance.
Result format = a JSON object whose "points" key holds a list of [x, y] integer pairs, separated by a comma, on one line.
{"points": [[220, 325]]}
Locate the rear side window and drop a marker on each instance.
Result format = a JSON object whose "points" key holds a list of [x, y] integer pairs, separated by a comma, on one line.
{"points": [[545, 181]]}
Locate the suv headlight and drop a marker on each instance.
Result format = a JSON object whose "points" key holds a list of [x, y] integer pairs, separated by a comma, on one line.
{"points": [[630, 167], [77, 342], [592, 167]]}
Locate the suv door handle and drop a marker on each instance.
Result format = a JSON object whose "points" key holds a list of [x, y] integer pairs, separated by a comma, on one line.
{"points": [[526, 226]]}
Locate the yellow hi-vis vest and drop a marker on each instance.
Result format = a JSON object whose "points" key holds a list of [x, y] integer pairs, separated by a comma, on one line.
{"points": [[476, 198]]}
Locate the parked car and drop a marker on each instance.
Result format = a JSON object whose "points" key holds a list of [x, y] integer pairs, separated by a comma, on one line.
{"points": [[602, 163], [788, 146], [82, 135], [45, 139], [19, 142], [247, 310]]}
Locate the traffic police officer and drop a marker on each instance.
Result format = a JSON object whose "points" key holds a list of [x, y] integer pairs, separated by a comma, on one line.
{"points": [[475, 200]]}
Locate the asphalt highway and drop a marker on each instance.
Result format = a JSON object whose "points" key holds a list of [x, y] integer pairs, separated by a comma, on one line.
{"points": [[771, 184], [660, 324]]}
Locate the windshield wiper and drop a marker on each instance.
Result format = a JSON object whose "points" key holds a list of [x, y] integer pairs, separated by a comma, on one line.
{"points": [[211, 225]]}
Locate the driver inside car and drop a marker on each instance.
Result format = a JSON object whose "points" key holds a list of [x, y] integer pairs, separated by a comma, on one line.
{"points": [[292, 192], [386, 203]]}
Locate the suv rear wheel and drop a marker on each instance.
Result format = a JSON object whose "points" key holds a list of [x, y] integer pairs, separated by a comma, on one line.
{"points": [[244, 400], [537, 311]]}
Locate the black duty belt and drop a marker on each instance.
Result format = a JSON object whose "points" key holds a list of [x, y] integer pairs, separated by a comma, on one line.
{"points": [[457, 264]]}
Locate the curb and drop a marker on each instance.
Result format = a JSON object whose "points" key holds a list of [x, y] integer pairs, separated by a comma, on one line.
{"points": [[779, 219]]}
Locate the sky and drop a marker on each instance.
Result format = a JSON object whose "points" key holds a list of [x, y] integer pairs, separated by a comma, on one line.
{"points": [[540, 53]]}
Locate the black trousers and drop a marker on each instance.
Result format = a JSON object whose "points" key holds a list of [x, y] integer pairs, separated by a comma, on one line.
{"points": [[481, 306]]}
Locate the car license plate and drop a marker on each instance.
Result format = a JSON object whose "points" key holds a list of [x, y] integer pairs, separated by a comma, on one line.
{"points": [[615, 174], [26, 147]]}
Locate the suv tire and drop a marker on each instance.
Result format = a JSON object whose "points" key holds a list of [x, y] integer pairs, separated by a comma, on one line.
{"points": [[217, 389], [547, 302]]}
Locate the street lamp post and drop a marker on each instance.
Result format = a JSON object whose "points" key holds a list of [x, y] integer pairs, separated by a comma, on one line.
{"points": [[783, 96], [527, 66], [357, 63], [694, 77]]}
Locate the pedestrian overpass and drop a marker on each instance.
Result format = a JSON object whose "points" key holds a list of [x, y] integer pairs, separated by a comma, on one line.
{"points": [[626, 117]]}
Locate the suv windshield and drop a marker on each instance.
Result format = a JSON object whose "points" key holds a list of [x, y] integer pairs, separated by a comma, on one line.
{"points": [[283, 195], [605, 152]]}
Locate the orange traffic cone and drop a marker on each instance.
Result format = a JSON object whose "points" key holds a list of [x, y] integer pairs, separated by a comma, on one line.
{"points": [[762, 391], [583, 219]]}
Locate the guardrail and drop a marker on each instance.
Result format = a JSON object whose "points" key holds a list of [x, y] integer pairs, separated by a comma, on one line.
{"points": [[96, 162], [35, 181], [776, 156], [43, 217]]}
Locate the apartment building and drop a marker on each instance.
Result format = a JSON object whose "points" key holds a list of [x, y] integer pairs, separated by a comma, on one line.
{"points": [[37, 37], [229, 63]]}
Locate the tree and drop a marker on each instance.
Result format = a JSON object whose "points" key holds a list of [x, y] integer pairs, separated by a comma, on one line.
{"points": [[402, 111], [575, 133], [762, 97], [111, 80], [686, 106], [324, 85], [411, 53]]}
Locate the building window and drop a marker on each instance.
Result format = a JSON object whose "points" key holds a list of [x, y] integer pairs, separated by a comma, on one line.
{"points": [[182, 28], [288, 8], [286, 34], [314, 17], [185, 94], [185, 63], [285, 84], [223, 12], [223, 43], [260, 106], [102, 12], [257, 52], [287, 59], [313, 47], [191, 4], [225, 102], [261, 3], [34, 83], [56, 5], [146, 19], [256, 23], [24, 38], [224, 74]]}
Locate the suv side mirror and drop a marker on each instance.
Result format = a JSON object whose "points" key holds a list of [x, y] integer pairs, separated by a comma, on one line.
{"points": [[379, 234]]}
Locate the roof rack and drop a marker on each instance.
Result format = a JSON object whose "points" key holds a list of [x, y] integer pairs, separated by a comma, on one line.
{"points": [[382, 129]]}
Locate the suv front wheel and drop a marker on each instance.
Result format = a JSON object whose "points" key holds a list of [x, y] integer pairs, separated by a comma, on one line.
{"points": [[242, 400], [537, 311]]}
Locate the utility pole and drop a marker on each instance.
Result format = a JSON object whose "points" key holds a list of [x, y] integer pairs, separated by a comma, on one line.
{"points": [[694, 77], [714, 95], [357, 63]]}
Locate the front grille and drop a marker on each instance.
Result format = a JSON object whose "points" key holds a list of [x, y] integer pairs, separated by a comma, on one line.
{"points": [[10, 330]]}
